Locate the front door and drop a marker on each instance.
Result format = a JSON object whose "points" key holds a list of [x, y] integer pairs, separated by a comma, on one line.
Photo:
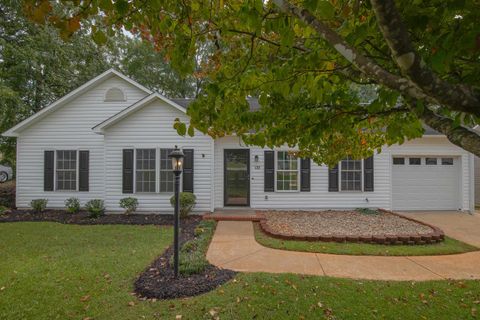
{"points": [[237, 177]]}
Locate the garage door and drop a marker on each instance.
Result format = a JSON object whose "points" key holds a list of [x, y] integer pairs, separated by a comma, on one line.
{"points": [[425, 183]]}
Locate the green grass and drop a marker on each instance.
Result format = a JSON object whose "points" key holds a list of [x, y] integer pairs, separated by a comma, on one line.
{"points": [[192, 254], [448, 246], [55, 271]]}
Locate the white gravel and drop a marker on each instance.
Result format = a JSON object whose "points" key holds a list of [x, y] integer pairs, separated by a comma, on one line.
{"points": [[347, 223]]}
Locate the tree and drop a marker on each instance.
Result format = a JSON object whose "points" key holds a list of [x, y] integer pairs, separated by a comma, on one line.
{"points": [[309, 63], [38, 66]]}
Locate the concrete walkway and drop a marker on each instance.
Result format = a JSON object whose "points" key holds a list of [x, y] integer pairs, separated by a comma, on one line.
{"points": [[234, 247]]}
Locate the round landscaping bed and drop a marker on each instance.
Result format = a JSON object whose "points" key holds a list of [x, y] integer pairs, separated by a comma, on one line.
{"points": [[365, 225]]}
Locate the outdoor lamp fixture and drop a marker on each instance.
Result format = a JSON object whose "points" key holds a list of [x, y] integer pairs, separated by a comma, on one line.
{"points": [[177, 163]]}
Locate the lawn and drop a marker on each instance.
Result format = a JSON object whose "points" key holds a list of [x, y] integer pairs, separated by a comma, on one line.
{"points": [[55, 271], [448, 246]]}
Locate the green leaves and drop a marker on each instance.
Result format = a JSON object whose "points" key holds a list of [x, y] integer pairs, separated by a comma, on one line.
{"points": [[180, 127], [99, 37]]}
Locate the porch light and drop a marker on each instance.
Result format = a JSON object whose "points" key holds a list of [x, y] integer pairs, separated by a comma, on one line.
{"points": [[256, 158], [177, 159], [177, 164]]}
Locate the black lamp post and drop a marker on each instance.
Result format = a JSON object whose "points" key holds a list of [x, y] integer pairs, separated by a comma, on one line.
{"points": [[177, 164]]}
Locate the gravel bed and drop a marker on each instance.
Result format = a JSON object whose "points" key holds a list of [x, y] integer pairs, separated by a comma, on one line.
{"points": [[346, 223]]}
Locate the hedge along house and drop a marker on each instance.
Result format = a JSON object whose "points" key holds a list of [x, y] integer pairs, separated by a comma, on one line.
{"points": [[111, 137]]}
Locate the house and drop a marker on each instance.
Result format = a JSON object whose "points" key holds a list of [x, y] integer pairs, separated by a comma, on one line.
{"points": [[111, 137]]}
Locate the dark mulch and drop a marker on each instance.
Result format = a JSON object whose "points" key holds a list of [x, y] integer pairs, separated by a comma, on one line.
{"points": [[83, 218], [158, 282]]}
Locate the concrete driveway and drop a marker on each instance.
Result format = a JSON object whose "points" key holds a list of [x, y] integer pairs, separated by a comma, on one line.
{"points": [[458, 225]]}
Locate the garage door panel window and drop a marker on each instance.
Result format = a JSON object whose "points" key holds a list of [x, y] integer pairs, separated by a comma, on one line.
{"points": [[447, 161], [398, 161], [351, 174], [415, 161], [431, 161]]}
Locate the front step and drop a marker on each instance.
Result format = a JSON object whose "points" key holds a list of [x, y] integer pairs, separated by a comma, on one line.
{"points": [[234, 217]]}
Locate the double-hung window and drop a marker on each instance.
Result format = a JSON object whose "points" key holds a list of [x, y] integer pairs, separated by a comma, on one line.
{"points": [[166, 173], [287, 171], [351, 174], [66, 170], [145, 170]]}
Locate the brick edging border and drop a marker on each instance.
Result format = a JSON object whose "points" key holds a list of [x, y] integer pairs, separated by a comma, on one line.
{"points": [[437, 235]]}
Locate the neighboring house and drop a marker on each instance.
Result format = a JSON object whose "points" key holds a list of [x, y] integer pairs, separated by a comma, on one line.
{"points": [[111, 137]]}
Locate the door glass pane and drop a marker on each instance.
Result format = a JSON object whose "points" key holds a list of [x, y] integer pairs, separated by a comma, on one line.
{"points": [[237, 181]]}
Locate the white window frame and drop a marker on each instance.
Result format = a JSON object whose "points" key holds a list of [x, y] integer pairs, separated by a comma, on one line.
{"points": [[276, 170], [157, 170], [135, 170], [55, 184], [340, 169]]}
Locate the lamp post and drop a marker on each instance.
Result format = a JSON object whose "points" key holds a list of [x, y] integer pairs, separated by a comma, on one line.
{"points": [[177, 163]]}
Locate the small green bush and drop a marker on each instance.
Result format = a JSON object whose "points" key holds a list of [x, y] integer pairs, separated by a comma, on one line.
{"points": [[130, 204], [73, 205], [3, 210], [367, 211], [39, 205], [187, 202], [192, 258], [95, 207]]}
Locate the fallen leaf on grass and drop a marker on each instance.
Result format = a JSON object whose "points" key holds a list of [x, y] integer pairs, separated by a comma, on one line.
{"points": [[178, 317], [131, 304], [85, 298]]}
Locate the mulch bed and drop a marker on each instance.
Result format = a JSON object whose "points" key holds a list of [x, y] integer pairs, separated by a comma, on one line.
{"points": [[83, 218], [383, 227], [158, 282]]}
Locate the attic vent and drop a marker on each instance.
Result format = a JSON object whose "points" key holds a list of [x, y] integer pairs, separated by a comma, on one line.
{"points": [[115, 94]]}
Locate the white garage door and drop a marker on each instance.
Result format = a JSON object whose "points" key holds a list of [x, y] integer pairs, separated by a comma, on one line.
{"points": [[426, 183]]}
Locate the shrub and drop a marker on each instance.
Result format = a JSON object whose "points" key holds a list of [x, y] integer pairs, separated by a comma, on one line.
{"points": [[3, 210], [192, 258], [130, 204], [7, 194], [72, 204], [95, 207], [187, 202], [39, 205], [367, 211]]}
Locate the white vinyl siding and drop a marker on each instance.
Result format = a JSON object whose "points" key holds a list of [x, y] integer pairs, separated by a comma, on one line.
{"points": [[69, 128], [319, 197], [152, 127]]}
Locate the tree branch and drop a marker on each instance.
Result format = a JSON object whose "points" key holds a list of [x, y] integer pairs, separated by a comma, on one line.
{"points": [[458, 97], [367, 66], [458, 135]]}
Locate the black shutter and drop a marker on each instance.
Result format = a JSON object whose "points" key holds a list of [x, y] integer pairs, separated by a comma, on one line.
{"points": [[188, 170], [48, 167], [333, 179], [83, 170], [368, 180], [269, 159], [305, 174], [127, 176]]}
